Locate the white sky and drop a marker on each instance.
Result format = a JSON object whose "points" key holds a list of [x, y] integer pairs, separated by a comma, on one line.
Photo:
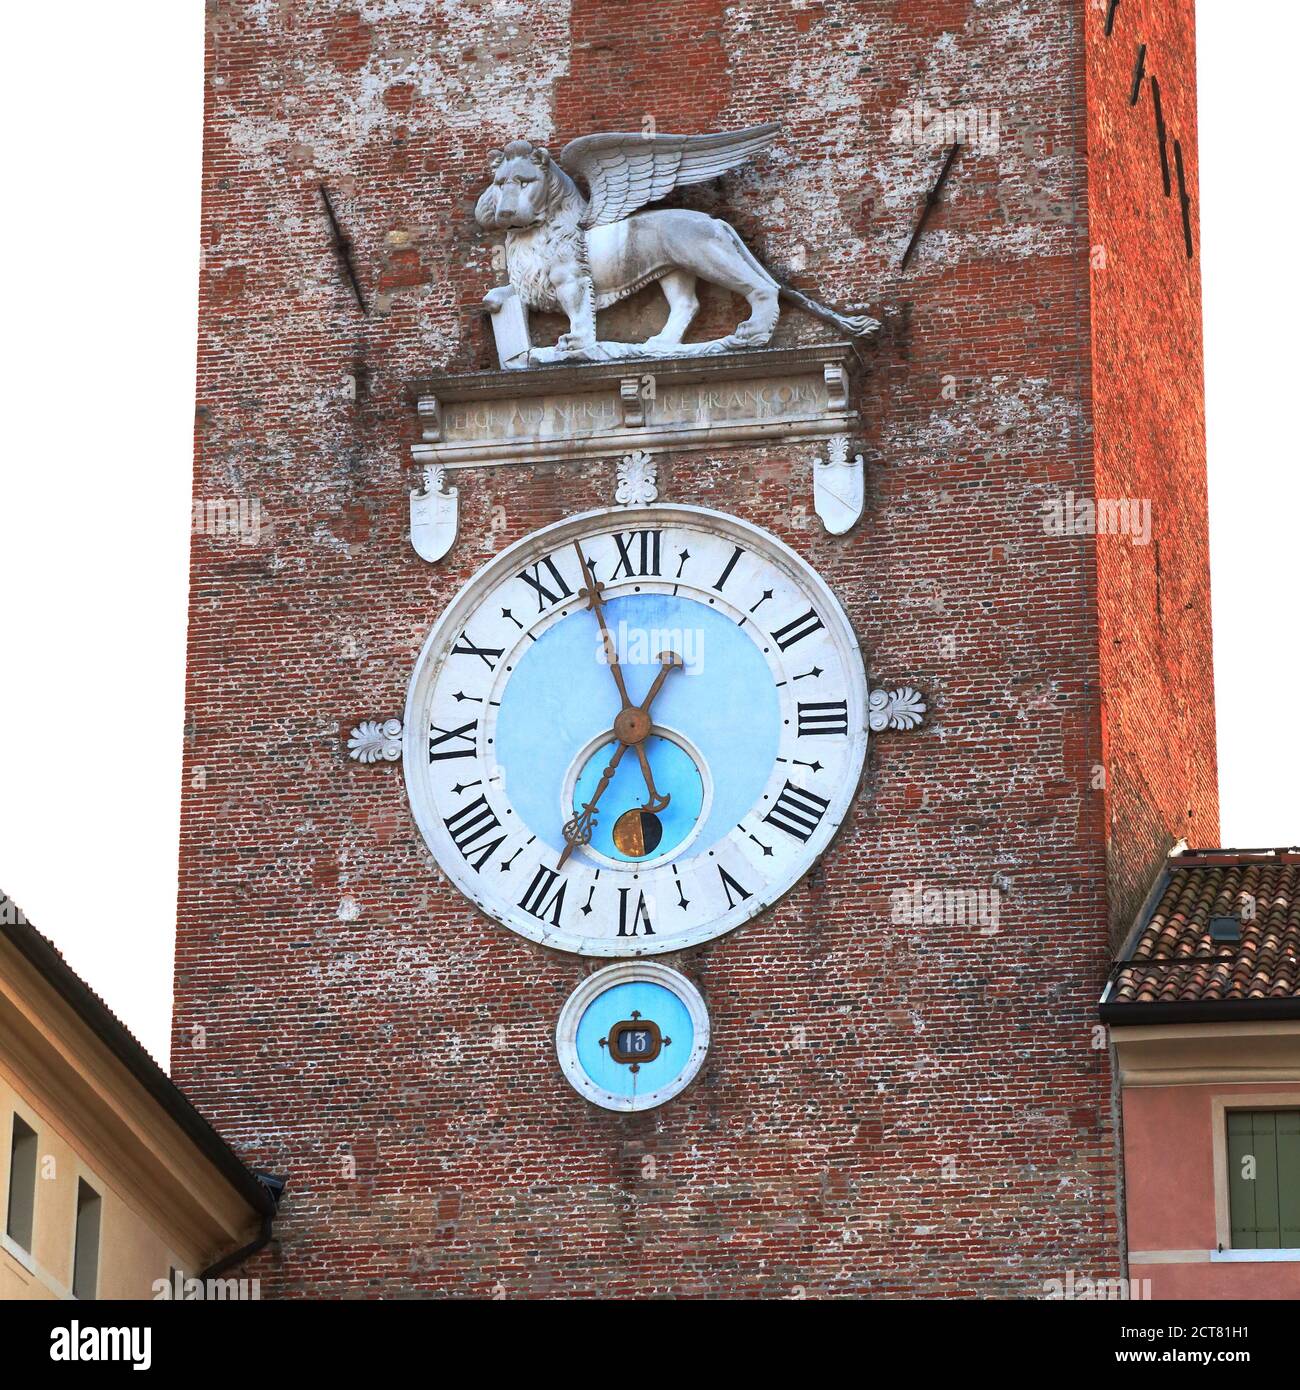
{"points": [[102, 108]]}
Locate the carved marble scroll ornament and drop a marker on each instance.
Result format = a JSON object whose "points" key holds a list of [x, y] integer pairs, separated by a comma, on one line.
{"points": [[903, 708], [574, 254], [374, 741], [638, 480]]}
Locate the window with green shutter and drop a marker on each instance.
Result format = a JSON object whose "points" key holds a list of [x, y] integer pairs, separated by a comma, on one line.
{"points": [[1264, 1179]]}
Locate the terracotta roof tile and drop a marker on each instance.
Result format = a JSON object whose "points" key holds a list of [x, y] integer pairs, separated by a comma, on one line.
{"points": [[1175, 961]]}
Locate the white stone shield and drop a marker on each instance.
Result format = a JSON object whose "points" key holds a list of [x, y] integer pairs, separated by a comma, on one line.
{"points": [[837, 486], [435, 515]]}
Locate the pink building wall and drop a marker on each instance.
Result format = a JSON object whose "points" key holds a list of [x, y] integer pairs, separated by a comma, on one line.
{"points": [[1169, 1175]]}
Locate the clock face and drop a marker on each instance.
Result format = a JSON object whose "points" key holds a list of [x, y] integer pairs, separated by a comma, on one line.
{"points": [[648, 772]]}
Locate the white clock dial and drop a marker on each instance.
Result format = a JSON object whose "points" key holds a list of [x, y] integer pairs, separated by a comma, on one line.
{"points": [[599, 796]]}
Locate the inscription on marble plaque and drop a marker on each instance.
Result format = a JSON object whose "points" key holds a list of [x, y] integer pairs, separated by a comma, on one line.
{"points": [[607, 409]]}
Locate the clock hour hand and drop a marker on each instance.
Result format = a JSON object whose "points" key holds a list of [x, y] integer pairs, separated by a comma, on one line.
{"points": [[631, 729], [592, 594], [668, 663]]}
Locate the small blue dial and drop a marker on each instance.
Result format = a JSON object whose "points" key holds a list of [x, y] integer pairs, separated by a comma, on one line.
{"points": [[620, 1071]]}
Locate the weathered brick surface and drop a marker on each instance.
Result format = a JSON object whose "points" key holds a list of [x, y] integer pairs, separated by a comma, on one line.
{"points": [[1154, 636], [898, 1108]]}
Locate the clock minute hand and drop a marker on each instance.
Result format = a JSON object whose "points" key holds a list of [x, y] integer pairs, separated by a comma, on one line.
{"points": [[578, 830], [592, 594]]}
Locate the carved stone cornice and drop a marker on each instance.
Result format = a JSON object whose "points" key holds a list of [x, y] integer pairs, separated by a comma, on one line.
{"points": [[602, 409]]}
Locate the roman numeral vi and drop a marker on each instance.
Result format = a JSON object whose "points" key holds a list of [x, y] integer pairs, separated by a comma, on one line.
{"points": [[640, 918]]}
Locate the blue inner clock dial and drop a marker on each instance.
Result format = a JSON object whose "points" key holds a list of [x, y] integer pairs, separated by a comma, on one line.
{"points": [[647, 835], [560, 696]]}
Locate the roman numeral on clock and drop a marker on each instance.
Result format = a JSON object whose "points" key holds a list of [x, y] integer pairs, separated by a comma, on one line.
{"points": [[638, 553], [536, 900], [823, 717], [488, 655], [544, 594], [437, 737], [728, 883], [471, 824], [797, 812], [803, 626], [640, 918], [721, 580]]}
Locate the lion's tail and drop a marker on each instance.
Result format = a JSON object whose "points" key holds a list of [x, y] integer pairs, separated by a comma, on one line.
{"points": [[857, 325]]}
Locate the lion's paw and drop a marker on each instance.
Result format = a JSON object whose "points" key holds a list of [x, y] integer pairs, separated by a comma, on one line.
{"points": [[576, 344], [750, 334]]}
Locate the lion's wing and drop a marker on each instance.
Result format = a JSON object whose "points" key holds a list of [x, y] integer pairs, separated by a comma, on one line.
{"points": [[624, 170]]}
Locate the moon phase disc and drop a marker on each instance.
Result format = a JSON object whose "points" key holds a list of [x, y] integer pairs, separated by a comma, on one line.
{"points": [[637, 833]]}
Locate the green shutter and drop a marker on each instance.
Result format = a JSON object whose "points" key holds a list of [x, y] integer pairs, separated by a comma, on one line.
{"points": [[1241, 1190], [1265, 1209], [1288, 1176]]}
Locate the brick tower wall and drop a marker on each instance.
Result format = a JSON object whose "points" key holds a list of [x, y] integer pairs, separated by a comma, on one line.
{"points": [[1154, 638], [898, 1106]]}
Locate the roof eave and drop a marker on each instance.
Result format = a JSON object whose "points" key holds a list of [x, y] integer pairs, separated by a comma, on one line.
{"points": [[101, 1021], [1193, 1011]]}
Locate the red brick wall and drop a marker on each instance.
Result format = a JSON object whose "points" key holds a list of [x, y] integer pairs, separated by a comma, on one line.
{"points": [[897, 1108], [1149, 422]]}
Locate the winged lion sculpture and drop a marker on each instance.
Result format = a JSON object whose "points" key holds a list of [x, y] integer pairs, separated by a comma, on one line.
{"points": [[570, 253]]}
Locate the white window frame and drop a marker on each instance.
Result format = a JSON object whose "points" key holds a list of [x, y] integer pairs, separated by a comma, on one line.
{"points": [[1220, 1105]]}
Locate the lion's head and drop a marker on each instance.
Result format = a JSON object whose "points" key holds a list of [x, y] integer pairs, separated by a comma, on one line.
{"points": [[520, 193]]}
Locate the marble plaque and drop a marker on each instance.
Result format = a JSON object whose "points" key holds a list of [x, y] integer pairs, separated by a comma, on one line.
{"points": [[570, 412]]}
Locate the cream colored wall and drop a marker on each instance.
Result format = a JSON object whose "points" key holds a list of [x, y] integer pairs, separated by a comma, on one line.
{"points": [[133, 1252], [164, 1201]]}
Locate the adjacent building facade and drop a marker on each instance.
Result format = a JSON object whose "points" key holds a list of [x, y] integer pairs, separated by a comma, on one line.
{"points": [[1204, 1014], [113, 1185]]}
